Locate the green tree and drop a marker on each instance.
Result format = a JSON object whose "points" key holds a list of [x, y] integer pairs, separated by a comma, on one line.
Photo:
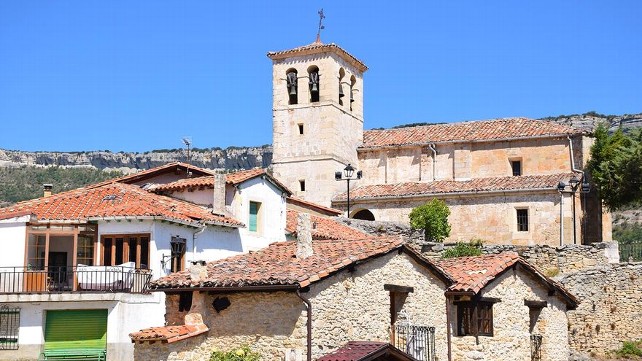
{"points": [[432, 217], [616, 167]]}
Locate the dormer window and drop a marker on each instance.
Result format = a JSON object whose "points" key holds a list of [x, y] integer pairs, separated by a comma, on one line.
{"points": [[292, 80], [313, 82]]}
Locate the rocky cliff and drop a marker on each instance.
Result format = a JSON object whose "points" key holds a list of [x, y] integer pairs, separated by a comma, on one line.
{"points": [[588, 121], [214, 158]]}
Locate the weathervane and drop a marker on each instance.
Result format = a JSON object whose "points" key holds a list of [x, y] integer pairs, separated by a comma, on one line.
{"points": [[321, 27]]}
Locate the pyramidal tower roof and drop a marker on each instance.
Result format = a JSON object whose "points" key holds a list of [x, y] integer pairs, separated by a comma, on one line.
{"points": [[318, 48]]}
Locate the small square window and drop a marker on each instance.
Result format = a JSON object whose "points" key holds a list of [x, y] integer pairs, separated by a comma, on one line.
{"points": [[522, 220], [302, 185], [300, 128], [475, 318], [516, 167]]}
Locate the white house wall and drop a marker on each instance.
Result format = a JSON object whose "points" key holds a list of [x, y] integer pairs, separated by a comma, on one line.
{"points": [[271, 225], [12, 238], [203, 197]]}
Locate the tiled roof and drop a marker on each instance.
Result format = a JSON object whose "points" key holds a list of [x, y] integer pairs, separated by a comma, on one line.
{"points": [[325, 228], [365, 350], [277, 265], [471, 274], [498, 184], [208, 181], [7, 215], [116, 200], [313, 206], [168, 334], [149, 173], [315, 48], [486, 130]]}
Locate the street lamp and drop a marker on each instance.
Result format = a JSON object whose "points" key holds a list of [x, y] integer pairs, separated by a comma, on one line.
{"points": [[348, 174], [573, 185]]}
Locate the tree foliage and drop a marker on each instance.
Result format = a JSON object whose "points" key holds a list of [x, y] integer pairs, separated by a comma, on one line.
{"points": [[432, 217], [616, 167], [243, 353], [22, 183]]}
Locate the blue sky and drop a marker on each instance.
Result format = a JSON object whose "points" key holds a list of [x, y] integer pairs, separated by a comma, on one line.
{"points": [[140, 75]]}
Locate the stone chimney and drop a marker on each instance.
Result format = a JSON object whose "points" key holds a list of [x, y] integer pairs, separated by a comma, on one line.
{"points": [[303, 236], [198, 271], [218, 202], [47, 189]]}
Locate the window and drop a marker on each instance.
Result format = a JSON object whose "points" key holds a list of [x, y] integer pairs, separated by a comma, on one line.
{"points": [[255, 207], [118, 249], [516, 166], [342, 73], [9, 326], [36, 252], [522, 220], [475, 318], [184, 301], [300, 128], [85, 253], [302, 185]]}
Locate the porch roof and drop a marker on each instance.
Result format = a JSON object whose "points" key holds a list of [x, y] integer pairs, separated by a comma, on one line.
{"points": [[116, 201]]}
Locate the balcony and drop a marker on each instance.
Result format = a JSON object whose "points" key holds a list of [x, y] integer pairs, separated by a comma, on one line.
{"points": [[89, 279], [416, 341]]}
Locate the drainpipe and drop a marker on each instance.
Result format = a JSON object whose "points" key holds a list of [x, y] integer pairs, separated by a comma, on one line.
{"points": [[308, 305], [200, 230], [434, 159], [448, 329]]}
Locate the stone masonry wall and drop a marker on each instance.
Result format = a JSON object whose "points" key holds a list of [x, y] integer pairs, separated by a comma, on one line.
{"points": [[511, 333], [610, 311]]}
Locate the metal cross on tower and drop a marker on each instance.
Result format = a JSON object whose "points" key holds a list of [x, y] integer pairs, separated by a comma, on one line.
{"points": [[321, 27]]}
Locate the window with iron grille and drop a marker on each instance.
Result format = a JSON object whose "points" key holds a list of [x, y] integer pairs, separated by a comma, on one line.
{"points": [[522, 220], [9, 326], [475, 318]]}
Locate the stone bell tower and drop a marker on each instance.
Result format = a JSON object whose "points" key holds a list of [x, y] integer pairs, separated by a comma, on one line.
{"points": [[317, 112]]}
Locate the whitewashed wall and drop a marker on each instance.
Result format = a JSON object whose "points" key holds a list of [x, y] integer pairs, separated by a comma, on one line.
{"points": [[12, 241]]}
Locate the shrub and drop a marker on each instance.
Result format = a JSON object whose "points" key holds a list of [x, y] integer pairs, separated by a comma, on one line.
{"points": [[630, 348], [432, 217], [462, 249], [243, 353]]}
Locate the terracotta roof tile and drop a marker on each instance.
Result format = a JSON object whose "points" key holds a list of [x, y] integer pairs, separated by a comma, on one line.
{"points": [[278, 265], [363, 350], [471, 274], [148, 173], [507, 128], [168, 334], [325, 228], [313, 206], [532, 182], [315, 48], [115, 200]]}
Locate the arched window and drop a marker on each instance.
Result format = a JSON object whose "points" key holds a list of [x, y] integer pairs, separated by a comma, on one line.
{"points": [[364, 214], [314, 84], [342, 73], [353, 81], [291, 79]]}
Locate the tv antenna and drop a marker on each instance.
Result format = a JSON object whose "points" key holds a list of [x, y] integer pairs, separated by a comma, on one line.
{"points": [[321, 27], [188, 142]]}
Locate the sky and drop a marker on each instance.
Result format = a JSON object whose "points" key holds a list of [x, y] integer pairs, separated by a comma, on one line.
{"points": [[141, 75]]}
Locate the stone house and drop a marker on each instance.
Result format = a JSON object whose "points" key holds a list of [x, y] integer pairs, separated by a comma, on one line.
{"points": [[75, 266], [305, 299], [501, 178]]}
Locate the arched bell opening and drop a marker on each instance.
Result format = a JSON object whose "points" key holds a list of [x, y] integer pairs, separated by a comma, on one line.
{"points": [[314, 83], [292, 82]]}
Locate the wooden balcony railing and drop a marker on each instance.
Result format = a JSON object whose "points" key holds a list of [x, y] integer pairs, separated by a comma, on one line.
{"points": [[74, 279]]}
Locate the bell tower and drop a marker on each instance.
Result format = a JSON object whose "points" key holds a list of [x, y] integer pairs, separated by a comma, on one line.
{"points": [[317, 114]]}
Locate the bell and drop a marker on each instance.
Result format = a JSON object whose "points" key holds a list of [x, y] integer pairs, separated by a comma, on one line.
{"points": [[341, 95], [292, 90], [314, 88]]}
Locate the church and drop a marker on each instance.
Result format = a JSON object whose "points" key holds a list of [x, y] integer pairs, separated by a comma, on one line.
{"points": [[506, 181]]}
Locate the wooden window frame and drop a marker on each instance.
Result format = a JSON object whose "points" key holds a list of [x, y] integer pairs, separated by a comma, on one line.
{"points": [[125, 254], [475, 318], [73, 230]]}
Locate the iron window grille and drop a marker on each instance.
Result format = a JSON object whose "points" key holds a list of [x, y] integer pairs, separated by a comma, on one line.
{"points": [[9, 327], [522, 220]]}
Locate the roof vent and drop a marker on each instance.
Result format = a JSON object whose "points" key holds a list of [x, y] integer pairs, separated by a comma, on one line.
{"points": [[110, 197]]}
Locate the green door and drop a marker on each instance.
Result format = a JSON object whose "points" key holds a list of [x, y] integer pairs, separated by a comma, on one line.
{"points": [[70, 329]]}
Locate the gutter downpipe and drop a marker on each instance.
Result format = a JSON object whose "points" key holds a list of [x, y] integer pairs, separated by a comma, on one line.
{"points": [[309, 322], [570, 147], [200, 230], [434, 159]]}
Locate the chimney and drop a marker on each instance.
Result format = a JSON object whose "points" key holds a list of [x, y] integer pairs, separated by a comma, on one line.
{"points": [[303, 236], [47, 189], [218, 202], [198, 272]]}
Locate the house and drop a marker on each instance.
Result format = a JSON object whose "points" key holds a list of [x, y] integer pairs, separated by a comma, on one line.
{"points": [[307, 299], [508, 181], [76, 266]]}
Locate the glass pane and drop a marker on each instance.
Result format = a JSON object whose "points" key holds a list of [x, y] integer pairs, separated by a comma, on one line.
{"points": [[36, 252], [144, 253], [85, 255]]}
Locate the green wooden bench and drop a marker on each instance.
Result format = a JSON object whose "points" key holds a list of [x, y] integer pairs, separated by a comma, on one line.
{"points": [[86, 354]]}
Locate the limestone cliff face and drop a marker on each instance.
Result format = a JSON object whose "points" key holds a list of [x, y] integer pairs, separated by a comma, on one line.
{"points": [[229, 158], [590, 120]]}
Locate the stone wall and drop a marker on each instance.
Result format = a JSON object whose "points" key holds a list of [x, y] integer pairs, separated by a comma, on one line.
{"points": [[610, 311], [511, 330]]}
